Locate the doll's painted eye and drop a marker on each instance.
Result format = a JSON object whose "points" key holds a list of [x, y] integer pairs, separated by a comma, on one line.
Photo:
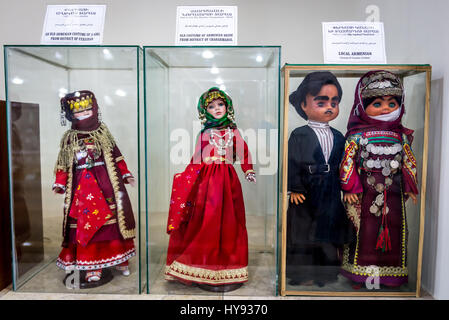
{"points": [[392, 105], [377, 104], [334, 104]]}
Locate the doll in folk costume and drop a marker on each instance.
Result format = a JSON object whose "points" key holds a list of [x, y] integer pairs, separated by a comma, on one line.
{"points": [[378, 175], [317, 226], [208, 243], [98, 225]]}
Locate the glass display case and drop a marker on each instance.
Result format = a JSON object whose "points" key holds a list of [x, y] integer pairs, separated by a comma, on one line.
{"points": [[74, 128], [353, 179], [212, 249]]}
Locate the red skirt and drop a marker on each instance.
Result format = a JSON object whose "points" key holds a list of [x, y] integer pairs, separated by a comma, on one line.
{"points": [[211, 244], [96, 255]]}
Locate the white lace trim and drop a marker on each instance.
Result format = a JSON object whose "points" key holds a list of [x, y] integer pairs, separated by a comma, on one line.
{"points": [[98, 264]]}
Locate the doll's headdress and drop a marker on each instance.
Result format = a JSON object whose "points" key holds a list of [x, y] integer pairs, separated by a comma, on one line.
{"points": [[381, 83]]}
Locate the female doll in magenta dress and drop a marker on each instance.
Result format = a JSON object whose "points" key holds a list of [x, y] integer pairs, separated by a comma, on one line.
{"points": [[208, 242], [378, 175], [99, 226]]}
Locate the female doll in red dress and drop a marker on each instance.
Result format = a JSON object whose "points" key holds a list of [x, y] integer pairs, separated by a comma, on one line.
{"points": [[378, 174], [99, 226], [208, 239]]}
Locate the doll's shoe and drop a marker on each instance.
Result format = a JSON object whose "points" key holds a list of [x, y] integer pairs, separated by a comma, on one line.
{"points": [[93, 276], [123, 268]]}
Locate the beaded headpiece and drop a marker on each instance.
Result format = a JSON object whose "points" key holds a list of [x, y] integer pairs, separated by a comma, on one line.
{"points": [[382, 83], [80, 104]]}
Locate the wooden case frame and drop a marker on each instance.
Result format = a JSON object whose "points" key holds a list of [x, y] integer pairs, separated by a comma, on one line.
{"points": [[352, 71]]}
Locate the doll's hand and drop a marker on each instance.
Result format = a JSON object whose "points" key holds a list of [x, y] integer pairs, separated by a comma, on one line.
{"points": [[351, 198], [413, 196], [57, 190], [131, 181], [297, 198], [251, 177]]}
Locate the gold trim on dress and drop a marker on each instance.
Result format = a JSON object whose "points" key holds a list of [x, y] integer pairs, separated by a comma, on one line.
{"points": [[126, 233], [182, 271]]}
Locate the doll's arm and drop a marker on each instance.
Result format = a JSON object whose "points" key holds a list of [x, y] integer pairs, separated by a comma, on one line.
{"points": [[244, 156], [349, 176], [60, 182], [121, 164], [409, 172]]}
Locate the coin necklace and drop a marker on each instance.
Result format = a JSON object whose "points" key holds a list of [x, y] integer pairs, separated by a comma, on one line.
{"points": [[389, 168], [222, 143]]}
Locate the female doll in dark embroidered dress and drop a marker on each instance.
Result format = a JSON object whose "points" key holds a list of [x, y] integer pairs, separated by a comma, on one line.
{"points": [[378, 174], [316, 222], [99, 224], [208, 239]]}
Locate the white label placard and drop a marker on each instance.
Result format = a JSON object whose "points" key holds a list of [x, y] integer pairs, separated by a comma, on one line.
{"points": [[354, 42], [206, 25], [74, 24]]}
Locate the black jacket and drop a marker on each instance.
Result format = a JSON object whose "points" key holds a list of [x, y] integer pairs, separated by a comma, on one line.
{"points": [[322, 216]]}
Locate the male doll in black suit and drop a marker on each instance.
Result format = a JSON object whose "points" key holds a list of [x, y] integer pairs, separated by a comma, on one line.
{"points": [[316, 218]]}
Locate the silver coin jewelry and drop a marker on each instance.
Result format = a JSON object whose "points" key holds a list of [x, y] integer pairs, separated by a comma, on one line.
{"points": [[223, 142]]}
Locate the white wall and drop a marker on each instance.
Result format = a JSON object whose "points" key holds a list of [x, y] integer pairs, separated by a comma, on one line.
{"points": [[415, 33]]}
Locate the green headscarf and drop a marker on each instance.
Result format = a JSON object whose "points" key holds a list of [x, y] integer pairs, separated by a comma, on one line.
{"points": [[206, 118]]}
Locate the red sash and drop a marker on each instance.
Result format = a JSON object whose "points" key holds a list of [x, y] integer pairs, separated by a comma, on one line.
{"points": [[183, 196]]}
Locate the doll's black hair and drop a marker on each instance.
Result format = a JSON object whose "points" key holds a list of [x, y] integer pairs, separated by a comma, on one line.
{"points": [[368, 101], [312, 84]]}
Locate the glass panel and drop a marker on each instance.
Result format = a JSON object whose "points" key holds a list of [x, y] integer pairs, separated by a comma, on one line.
{"points": [[175, 79], [321, 252], [37, 77]]}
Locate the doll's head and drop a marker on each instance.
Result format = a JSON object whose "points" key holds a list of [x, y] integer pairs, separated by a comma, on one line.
{"points": [[381, 93], [215, 105], [80, 108], [317, 97]]}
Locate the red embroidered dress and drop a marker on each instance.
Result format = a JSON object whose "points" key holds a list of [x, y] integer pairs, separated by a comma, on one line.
{"points": [[379, 165], [208, 238], [98, 226]]}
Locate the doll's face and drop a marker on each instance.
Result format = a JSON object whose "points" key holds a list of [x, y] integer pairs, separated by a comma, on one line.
{"points": [[83, 114], [216, 108], [323, 107], [382, 105]]}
